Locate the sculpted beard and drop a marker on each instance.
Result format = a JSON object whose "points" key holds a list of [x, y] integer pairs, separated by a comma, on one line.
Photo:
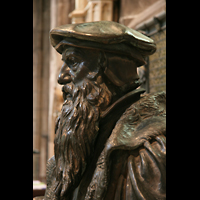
{"points": [[77, 130]]}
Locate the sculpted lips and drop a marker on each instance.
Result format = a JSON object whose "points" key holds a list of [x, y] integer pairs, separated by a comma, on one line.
{"points": [[67, 90]]}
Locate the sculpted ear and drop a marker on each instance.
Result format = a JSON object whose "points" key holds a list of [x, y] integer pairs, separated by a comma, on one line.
{"points": [[120, 69]]}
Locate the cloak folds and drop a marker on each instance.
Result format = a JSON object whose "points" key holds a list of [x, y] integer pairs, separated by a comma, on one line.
{"points": [[132, 164]]}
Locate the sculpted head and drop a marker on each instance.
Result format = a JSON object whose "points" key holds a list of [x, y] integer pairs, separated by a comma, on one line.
{"points": [[99, 66], [83, 66]]}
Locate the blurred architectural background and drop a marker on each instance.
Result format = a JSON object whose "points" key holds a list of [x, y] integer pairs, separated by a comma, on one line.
{"points": [[147, 16]]}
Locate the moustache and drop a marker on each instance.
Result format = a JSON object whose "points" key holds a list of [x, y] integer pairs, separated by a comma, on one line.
{"points": [[96, 94], [71, 91]]}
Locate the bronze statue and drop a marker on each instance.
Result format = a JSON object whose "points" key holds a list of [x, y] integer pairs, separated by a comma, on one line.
{"points": [[110, 139]]}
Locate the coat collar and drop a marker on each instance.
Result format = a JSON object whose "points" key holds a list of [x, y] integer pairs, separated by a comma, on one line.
{"points": [[133, 128], [131, 96]]}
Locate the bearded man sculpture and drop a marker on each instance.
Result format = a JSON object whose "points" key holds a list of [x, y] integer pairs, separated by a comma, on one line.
{"points": [[110, 139]]}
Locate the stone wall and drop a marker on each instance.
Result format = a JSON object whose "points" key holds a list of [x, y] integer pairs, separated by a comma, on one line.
{"points": [[92, 10], [157, 63], [149, 17], [47, 14], [40, 85]]}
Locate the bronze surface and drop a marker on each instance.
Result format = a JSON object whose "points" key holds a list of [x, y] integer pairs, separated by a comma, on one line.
{"points": [[110, 138]]}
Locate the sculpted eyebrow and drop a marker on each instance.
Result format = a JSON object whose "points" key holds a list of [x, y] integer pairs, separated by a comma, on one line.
{"points": [[73, 52]]}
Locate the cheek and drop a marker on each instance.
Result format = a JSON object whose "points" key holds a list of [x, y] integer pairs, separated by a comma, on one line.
{"points": [[81, 72]]}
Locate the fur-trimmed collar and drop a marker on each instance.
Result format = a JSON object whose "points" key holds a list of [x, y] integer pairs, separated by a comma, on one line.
{"points": [[142, 121]]}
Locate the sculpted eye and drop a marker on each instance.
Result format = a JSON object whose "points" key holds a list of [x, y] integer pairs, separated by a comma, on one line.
{"points": [[72, 62]]}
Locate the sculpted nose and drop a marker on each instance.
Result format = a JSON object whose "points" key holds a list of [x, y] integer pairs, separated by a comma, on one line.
{"points": [[64, 76]]}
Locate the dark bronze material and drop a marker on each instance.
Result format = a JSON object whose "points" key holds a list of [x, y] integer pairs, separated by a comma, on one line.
{"points": [[110, 139]]}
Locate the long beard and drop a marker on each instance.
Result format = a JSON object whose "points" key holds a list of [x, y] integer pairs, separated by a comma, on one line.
{"points": [[77, 131]]}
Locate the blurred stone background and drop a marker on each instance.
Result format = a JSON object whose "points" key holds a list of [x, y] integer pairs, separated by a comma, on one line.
{"points": [[157, 64]]}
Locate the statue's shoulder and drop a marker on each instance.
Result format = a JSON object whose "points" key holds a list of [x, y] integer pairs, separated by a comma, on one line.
{"points": [[140, 122], [144, 119], [151, 103], [149, 106]]}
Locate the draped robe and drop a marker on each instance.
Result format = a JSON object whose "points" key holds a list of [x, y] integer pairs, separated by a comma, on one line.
{"points": [[129, 160]]}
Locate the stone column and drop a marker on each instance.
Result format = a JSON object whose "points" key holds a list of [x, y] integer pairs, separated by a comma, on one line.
{"points": [[40, 85], [59, 11], [37, 65], [93, 10]]}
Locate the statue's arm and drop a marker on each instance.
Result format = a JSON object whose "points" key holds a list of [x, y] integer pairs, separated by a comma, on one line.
{"points": [[146, 171]]}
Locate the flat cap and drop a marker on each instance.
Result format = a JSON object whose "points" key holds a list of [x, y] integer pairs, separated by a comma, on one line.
{"points": [[104, 35]]}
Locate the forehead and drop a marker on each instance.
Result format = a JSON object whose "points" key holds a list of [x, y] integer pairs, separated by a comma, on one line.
{"points": [[81, 52]]}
